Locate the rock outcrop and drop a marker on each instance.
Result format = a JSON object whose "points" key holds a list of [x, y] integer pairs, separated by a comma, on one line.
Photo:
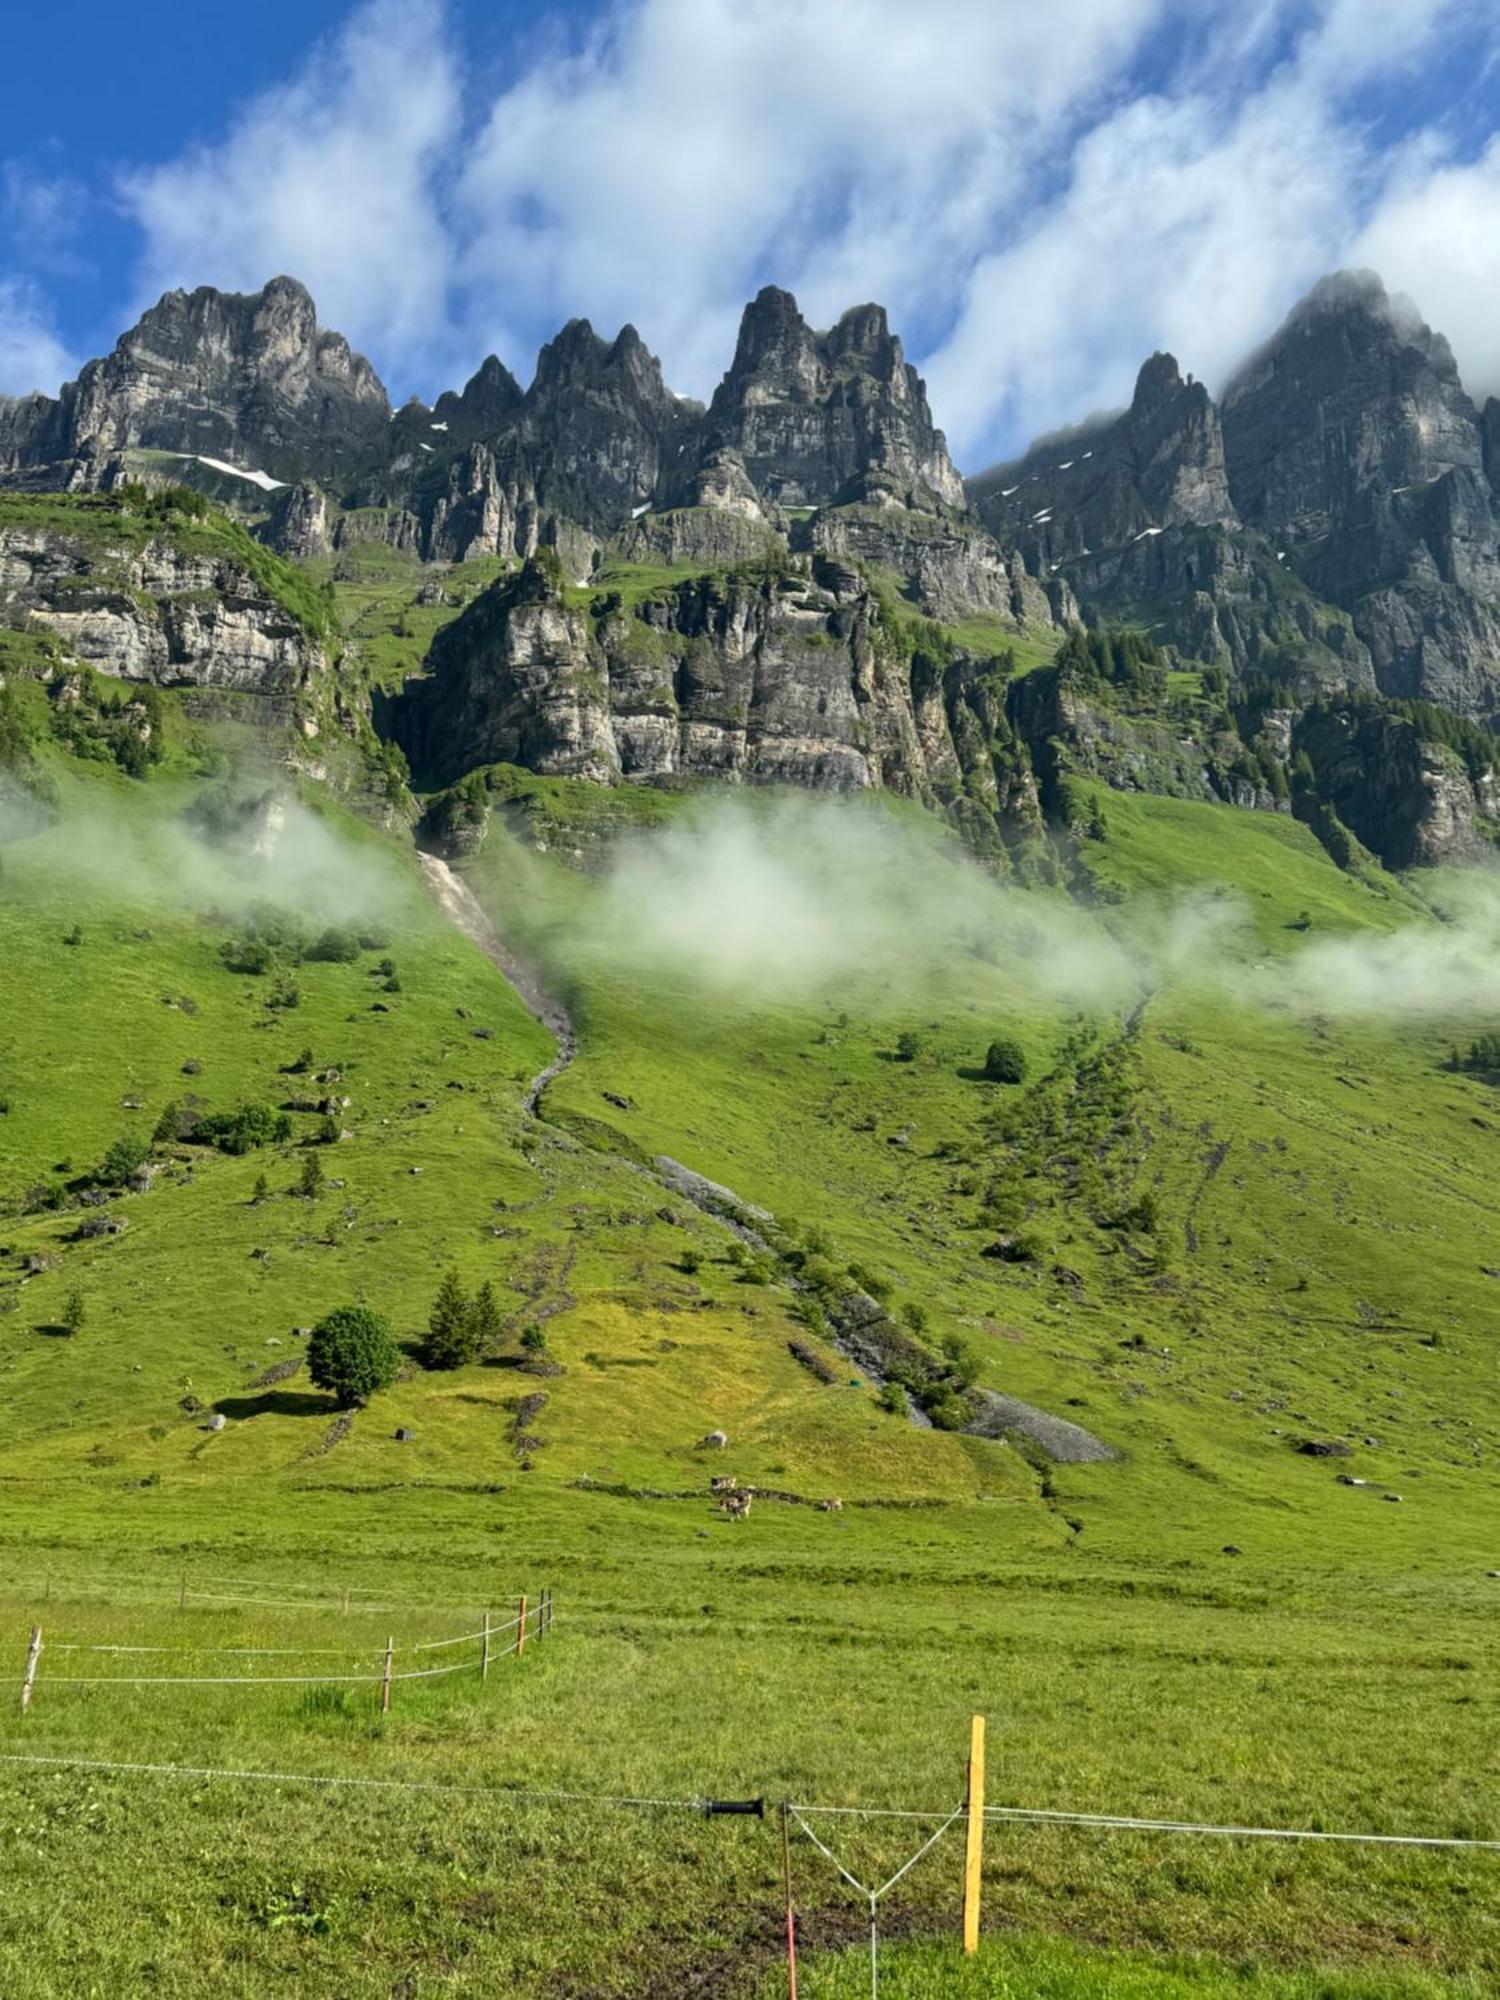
{"points": [[142, 607], [788, 676]]}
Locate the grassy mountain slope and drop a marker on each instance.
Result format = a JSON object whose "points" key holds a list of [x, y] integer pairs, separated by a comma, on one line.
{"points": [[1317, 1270]]}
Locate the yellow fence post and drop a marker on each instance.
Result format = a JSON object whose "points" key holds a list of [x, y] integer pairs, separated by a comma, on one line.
{"points": [[484, 1657], [521, 1632], [385, 1684], [974, 1844]]}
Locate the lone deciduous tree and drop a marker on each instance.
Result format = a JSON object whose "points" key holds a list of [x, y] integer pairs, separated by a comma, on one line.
{"points": [[353, 1352]]}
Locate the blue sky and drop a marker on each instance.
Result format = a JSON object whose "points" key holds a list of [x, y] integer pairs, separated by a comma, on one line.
{"points": [[1041, 195]]}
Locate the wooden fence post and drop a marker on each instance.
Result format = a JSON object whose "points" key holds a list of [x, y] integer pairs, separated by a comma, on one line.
{"points": [[974, 1844], [33, 1654], [521, 1630], [484, 1658], [385, 1685]]}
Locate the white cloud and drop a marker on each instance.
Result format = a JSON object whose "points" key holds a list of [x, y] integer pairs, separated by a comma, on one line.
{"points": [[1437, 237], [329, 178], [1175, 232], [851, 150], [32, 356], [1190, 222]]}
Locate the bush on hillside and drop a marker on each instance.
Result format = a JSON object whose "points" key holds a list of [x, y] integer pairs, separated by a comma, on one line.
{"points": [[353, 1353], [1005, 1062], [243, 1130], [335, 946], [124, 1160]]}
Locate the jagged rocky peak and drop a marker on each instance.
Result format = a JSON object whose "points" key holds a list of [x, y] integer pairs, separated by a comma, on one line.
{"points": [[1156, 466], [597, 426], [487, 401], [815, 416], [578, 360], [247, 377], [233, 370], [1354, 395], [1177, 448]]}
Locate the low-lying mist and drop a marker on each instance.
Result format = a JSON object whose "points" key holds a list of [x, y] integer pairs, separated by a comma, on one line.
{"points": [[234, 847], [812, 897]]}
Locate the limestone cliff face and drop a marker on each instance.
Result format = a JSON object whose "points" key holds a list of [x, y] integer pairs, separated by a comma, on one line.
{"points": [[1412, 802], [1351, 437], [787, 676], [1354, 397], [155, 613]]}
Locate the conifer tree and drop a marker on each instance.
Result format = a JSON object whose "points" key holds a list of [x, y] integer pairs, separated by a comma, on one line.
{"points": [[450, 1340]]}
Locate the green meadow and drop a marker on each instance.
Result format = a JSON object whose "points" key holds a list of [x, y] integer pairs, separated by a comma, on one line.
{"points": [[1209, 1624]]}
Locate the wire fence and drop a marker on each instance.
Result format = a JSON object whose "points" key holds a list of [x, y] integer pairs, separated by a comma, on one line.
{"points": [[934, 1824], [369, 1663]]}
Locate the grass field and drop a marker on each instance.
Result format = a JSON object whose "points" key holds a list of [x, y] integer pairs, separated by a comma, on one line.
{"points": [[1319, 1270]]}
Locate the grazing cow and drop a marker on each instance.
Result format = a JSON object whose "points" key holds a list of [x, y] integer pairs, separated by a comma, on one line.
{"points": [[830, 1506], [725, 1482], [736, 1505]]}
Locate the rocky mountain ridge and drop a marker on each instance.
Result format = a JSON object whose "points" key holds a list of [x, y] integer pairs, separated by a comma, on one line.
{"points": [[1345, 455], [827, 591]]}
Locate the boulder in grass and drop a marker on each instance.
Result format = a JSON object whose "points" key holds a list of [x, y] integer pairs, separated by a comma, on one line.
{"points": [[216, 1422]]}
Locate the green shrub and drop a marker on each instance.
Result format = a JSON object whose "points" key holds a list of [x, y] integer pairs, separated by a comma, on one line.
{"points": [[335, 946], [244, 1130], [353, 1353], [1005, 1062], [124, 1160]]}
